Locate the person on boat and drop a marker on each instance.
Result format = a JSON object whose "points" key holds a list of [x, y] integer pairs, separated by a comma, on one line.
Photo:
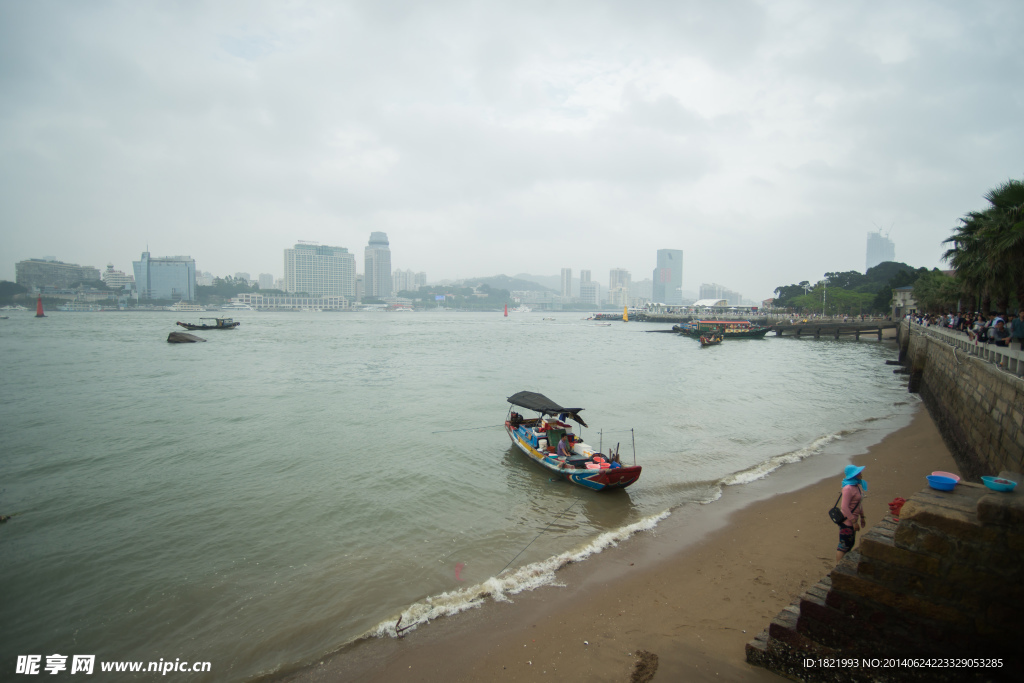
{"points": [[851, 508], [565, 445]]}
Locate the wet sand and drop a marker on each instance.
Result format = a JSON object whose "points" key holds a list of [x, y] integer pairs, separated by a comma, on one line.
{"points": [[692, 592]]}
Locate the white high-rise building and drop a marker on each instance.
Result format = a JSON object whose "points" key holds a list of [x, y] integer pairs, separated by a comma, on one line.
{"points": [[566, 283], [266, 281], [880, 249], [407, 281], [618, 287], [377, 264], [590, 291], [319, 270]]}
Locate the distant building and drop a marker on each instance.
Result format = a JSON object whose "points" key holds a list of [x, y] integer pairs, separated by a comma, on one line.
{"points": [[40, 273], [640, 292], [204, 279], [407, 281], [116, 279], [903, 302], [377, 266], [566, 283], [880, 249], [170, 277], [242, 276], [668, 277], [265, 302], [319, 270], [266, 281], [618, 287], [590, 291], [717, 291]]}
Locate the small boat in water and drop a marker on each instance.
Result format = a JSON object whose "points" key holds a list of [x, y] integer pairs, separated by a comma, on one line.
{"points": [[711, 340], [218, 324], [538, 438]]}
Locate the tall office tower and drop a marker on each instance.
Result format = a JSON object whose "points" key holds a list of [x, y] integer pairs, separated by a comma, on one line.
{"points": [[49, 272], [880, 249], [668, 277], [266, 281], [618, 287], [377, 271], [567, 283], [172, 277], [320, 270], [584, 276]]}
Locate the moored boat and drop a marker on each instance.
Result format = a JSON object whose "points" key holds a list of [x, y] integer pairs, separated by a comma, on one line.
{"points": [[538, 438], [218, 324], [729, 329]]}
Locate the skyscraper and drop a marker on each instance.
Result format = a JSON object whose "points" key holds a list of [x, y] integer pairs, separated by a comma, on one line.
{"points": [[618, 287], [880, 249], [320, 270], [668, 277], [171, 277], [566, 283], [377, 260]]}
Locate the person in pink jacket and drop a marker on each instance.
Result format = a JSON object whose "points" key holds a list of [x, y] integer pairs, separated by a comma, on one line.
{"points": [[853, 488]]}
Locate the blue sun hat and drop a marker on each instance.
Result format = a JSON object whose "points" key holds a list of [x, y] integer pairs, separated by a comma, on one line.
{"points": [[851, 478]]}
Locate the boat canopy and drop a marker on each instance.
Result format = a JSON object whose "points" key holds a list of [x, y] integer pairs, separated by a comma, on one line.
{"points": [[531, 400]]}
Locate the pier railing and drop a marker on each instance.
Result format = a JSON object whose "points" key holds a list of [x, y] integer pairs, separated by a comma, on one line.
{"points": [[1011, 360]]}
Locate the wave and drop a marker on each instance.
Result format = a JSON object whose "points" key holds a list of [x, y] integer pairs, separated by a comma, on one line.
{"points": [[766, 467], [500, 587]]}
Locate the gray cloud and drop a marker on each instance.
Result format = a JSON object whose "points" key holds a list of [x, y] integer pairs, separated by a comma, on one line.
{"points": [[763, 139]]}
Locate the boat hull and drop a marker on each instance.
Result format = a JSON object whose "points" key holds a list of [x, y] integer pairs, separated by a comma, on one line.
{"points": [[596, 480]]}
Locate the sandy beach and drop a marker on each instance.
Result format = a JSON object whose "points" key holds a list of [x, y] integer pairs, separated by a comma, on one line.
{"points": [[691, 593]]}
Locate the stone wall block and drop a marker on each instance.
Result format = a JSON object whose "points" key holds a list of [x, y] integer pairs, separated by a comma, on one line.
{"points": [[900, 557]]}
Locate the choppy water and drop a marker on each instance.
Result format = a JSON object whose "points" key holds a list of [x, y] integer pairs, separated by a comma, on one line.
{"points": [[292, 485]]}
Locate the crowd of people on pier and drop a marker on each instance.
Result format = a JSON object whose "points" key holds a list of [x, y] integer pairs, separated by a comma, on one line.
{"points": [[994, 329]]}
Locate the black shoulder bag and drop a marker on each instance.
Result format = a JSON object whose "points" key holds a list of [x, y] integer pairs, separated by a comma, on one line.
{"points": [[835, 514]]}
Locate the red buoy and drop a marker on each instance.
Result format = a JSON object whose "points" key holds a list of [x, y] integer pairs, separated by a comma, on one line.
{"points": [[39, 307], [506, 310]]}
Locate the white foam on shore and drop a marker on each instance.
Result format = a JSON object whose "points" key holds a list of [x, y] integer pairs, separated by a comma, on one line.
{"points": [[499, 588], [766, 467]]}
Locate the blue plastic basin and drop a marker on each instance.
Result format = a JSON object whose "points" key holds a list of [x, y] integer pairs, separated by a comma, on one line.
{"points": [[998, 485], [941, 483]]}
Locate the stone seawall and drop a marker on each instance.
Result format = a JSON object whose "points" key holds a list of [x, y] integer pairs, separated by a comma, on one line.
{"points": [[934, 596], [978, 405]]}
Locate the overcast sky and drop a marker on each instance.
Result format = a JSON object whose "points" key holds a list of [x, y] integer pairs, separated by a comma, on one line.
{"points": [[764, 139]]}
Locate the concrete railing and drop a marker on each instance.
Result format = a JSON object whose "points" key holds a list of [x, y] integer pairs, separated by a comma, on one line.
{"points": [[1011, 360]]}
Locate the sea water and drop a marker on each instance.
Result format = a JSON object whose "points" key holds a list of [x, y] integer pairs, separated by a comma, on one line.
{"points": [[298, 483]]}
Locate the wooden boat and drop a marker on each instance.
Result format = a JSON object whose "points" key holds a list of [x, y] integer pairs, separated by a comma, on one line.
{"points": [[729, 329], [711, 340], [218, 324], [538, 438]]}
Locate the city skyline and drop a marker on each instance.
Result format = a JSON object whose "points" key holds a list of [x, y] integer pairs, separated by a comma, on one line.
{"points": [[764, 146]]}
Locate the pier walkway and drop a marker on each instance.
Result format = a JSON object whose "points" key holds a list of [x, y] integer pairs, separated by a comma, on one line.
{"points": [[824, 328]]}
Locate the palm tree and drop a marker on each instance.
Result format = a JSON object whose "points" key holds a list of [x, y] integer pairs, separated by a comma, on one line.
{"points": [[1006, 233], [988, 248]]}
